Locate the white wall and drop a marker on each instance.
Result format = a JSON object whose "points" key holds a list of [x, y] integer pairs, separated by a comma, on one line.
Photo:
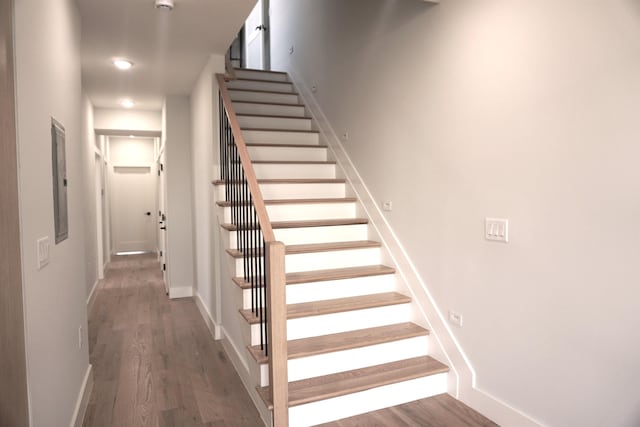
{"points": [[89, 209], [146, 120], [48, 84], [180, 253], [204, 134], [522, 110]]}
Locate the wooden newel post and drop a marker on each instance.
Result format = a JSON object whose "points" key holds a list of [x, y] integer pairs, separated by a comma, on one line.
{"points": [[277, 330]]}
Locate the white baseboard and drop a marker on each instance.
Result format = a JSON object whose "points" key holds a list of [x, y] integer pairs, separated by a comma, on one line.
{"points": [[240, 364], [180, 292], [462, 375], [92, 296], [83, 399], [213, 327]]}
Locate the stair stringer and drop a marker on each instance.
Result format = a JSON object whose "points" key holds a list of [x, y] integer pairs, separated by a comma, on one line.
{"points": [[443, 344]]}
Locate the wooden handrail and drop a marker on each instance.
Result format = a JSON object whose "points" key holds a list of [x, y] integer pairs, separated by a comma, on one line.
{"points": [[252, 182]]}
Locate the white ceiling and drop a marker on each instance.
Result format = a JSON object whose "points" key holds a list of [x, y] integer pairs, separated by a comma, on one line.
{"points": [[168, 49]]}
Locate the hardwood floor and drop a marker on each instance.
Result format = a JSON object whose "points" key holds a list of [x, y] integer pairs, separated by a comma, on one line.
{"points": [[154, 361], [437, 411]]}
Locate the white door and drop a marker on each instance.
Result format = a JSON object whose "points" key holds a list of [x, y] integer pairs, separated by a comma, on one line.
{"points": [[256, 36], [133, 209]]}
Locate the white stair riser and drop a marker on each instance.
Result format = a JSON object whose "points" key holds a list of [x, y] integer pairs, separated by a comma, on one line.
{"points": [[341, 361], [313, 326], [280, 98], [268, 109], [324, 260], [332, 289], [373, 399], [347, 321], [295, 170], [274, 137], [294, 191], [258, 85], [260, 75], [346, 360], [332, 259], [274, 123], [301, 154], [305, 235], [302, 191], [310, 211], [308, 235]]}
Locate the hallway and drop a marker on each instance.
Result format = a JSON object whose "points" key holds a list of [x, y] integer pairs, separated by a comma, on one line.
{"points": [[154, 361]]}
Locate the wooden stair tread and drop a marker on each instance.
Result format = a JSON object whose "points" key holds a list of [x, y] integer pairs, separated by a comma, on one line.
{"points": [[325, 275], [338, 274], [344, 341], [272, 116], [293, 162], [269, 103], [255, 70], [317, 247], [280, 130], [260, 91], [319, 223], [287, 145], [225, 203], [293, 181], [340, 384], [338, 305], [307, 223], [244, 79]]}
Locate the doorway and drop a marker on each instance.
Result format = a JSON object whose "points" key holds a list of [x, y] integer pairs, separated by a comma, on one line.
{"points": [[256, 36], [133, 192]]}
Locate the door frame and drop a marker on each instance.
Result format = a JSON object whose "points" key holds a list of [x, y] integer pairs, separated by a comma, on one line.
{"points": [[14, 400]]}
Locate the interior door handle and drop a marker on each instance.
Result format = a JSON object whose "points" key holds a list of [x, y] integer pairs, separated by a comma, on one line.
{"points": [[148, 214], [163, 228], [261, 27]]}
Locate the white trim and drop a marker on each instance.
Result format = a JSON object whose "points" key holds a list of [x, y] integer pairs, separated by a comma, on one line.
{"points": [[213, 327], [92, 296], [240, 364], [180, 292], [463, 376], [83, 399]]}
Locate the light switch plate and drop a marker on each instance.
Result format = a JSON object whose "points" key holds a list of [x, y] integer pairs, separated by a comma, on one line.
{"points": [[387, 206], [455, 318], [43, 252], [496, 229]]}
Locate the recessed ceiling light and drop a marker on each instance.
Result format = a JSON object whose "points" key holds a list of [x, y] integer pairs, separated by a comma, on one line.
{"points": [[122, 64], [164, 4], [127, 103]]}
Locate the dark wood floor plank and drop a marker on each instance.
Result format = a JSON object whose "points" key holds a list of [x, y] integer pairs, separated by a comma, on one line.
{"points": [[154, 361]]}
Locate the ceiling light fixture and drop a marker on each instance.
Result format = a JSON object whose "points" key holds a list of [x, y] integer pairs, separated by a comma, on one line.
{"points": [[122, 64], [127, 103], [164, 5]]}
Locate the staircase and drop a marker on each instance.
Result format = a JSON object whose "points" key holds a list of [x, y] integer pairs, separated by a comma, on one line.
{"points": [[352, 345]]}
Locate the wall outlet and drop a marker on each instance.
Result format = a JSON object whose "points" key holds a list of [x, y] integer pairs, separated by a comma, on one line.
{"points": [[314, 88], [496, 229], [455, 318], [43, 251], [80, 337], [290, 49], [387, 206]]}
